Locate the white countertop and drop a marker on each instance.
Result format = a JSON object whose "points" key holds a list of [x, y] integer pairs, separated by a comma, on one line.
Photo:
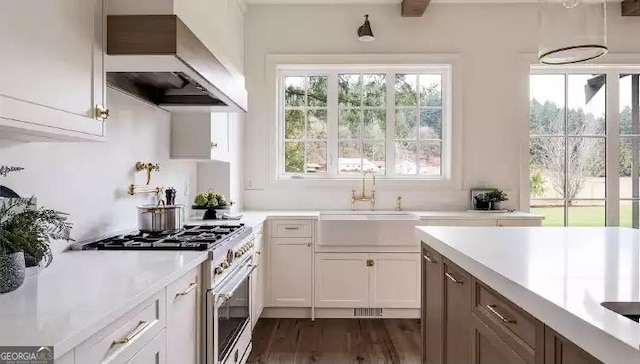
{"points": [[253, 218], [559, 275], [81, 292]]}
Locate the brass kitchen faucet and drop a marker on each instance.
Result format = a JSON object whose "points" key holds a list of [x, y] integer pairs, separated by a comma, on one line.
{"points": [[363, 196]]}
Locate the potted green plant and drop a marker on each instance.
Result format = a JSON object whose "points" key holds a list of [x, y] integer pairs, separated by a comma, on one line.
{"points": [[497, 197], [482, 202], [25, 236]]}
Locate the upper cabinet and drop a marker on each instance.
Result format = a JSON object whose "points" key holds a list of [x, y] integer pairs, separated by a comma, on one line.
{"points": [[200, 136], [52, 70]]}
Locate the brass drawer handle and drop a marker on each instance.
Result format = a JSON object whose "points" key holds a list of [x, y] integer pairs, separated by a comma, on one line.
{"points": [[291, 228], [429, 259], [452, 278], [309, 244], [189, 289], [370, 262], [214, 145], [132, 335], [492, 309]]}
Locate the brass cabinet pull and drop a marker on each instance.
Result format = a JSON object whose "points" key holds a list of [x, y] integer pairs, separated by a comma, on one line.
{"points": [[189, 289], [429, 259], [452, 278], [132, 335], [214, 145], [101, 112], [291, 228], [369, 262], [309, 244], [492, 309]]}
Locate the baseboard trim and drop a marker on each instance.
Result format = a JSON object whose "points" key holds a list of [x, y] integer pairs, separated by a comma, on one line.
{"points": [[302, 312]]}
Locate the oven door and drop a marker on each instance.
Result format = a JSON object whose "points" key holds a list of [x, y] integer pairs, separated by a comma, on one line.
{"points": [[229, 316]]}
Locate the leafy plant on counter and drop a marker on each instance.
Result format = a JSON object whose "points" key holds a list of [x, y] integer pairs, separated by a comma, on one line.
{"points": [[29, 230], [496, 196]]}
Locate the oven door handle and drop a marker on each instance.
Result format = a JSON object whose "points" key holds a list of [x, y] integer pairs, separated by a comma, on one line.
{"points": [[226, 293]]}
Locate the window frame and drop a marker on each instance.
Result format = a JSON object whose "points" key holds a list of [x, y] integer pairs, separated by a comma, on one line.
{"points": [[448, 159]]}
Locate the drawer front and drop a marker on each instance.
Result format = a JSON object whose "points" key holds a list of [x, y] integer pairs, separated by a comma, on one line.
{"points": [[461, 222], [519, 222], [291, 229], [505, 316], [127, 335]]}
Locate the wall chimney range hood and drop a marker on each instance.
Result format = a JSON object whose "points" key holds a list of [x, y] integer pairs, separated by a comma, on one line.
{"points": [[159, 59]]}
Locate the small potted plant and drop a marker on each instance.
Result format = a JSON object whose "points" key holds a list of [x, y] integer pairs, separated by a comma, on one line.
{"points": [[497, 197], [25, 235], [482, 202]]}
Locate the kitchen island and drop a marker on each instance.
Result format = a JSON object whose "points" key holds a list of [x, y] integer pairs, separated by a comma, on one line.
{"points": [[530, 295]]}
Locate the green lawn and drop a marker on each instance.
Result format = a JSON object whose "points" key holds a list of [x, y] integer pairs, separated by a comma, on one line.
{"points": [[581, 215]]}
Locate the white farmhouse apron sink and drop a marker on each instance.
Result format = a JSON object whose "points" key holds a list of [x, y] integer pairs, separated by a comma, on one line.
{"points": [[372, 228]]}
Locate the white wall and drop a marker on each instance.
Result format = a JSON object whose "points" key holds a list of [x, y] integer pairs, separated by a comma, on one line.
{"points": [[492, 40], [89, 180]]}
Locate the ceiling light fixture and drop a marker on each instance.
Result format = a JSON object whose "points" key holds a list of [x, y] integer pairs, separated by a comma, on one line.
{"points": [[572, 31], [364, 31]]}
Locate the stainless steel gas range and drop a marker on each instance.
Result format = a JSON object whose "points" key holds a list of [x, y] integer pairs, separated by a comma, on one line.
{"points": [[226, 276]]}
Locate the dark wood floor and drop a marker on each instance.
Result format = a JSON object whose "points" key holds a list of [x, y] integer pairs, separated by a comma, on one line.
{"points": [[336, 341]]}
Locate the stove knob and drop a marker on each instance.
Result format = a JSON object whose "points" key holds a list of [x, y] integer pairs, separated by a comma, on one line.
{"points": [[224, 265], [218, 271], [238, 254]]}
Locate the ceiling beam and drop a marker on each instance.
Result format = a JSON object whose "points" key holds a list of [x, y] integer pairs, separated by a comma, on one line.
{"points": [[631, 8], [414, 8]]}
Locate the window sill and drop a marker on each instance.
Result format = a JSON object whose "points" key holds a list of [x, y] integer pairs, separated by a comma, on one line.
{"points": [[381, 183]]}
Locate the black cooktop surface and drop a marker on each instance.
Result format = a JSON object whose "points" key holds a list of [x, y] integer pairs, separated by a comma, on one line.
{"points": [[191, 237]]}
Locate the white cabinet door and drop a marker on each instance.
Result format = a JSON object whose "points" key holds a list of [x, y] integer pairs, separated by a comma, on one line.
{"points": [[342, 280], [52, 69], [153, 353], [395, 280], [200, 136], [258, 281], [290, 276], [219, 136], [183, 319]]}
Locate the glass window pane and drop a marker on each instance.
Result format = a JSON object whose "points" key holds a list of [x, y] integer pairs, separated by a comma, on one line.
{"points": [[627, 210], [349, 90], [553, 212], [374, 157], [586, 213], [586, 168], [294, 91], [629, 155], [406, 124], [430, 90], [350, 157], [547, 164], [626, 103], [316, 157], [406, 90], [317, 91], [406, 163], [375, 90], [430, 124], [586, 99], [546, 113], [375, 124], [349, 124], [294, 124], [293, 157], [317, 124], [430, 159]]}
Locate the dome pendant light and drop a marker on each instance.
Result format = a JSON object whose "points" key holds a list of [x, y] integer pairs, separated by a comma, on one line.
{"points": [[572, 31], [364, 31]]}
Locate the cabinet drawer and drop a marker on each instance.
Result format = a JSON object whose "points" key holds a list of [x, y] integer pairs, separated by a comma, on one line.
{"points": [[458, 222], [291, 228], [126, 336], [519, 222], [505, 317]]}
